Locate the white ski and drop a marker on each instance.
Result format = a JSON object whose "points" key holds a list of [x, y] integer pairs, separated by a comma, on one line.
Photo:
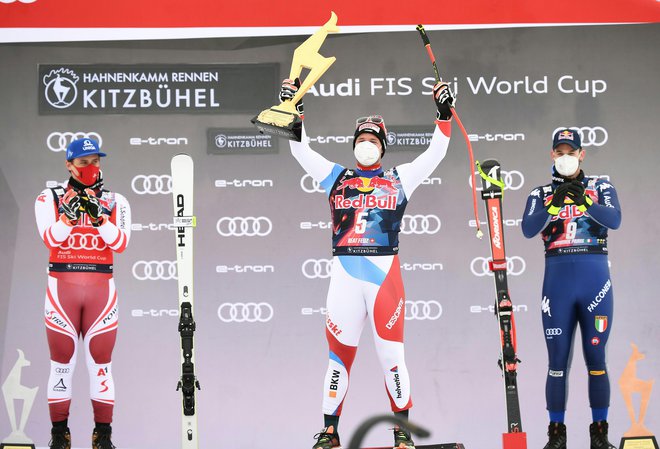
{"points": [[184, 222]]}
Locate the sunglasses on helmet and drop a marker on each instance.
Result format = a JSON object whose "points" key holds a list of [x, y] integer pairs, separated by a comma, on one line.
{"points": [[377, 119]]}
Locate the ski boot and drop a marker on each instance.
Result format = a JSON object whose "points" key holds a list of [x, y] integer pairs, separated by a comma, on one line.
{"points": [[598, 434], [60, 438], [557, 436], [402, 439], [327, 438], [101, 438]]}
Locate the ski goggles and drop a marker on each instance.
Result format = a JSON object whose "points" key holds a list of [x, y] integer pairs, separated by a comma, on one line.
{"points": [[377, 119]]}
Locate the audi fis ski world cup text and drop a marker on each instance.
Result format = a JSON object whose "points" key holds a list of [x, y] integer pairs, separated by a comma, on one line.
{"points": [[484, 84]]}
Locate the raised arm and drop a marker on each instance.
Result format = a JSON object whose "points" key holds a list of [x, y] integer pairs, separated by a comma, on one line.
{"points": [[413, 173]]}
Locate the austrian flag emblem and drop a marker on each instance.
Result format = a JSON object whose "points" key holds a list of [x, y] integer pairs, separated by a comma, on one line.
{"points": [[601, 323]]}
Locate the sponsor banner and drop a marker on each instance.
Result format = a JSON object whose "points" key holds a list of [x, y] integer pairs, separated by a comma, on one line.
{"points": [[155, 88], [227, 19], [407, 138], [240, 141]]}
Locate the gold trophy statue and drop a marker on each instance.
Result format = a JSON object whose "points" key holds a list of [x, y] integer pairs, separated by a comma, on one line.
{"points": [[283, 120], [638, 436], [13, 390]]}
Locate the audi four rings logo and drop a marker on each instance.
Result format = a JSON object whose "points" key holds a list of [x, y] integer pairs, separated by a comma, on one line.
{"points": [[58, 140], [513, 180], [248, 312], [420, 224], [317, 268], [423, 310], [152, 184], [309, 185], [244, 226], [515, 266], [154, 270], [553, 331], [591, 136], [78, 241]]}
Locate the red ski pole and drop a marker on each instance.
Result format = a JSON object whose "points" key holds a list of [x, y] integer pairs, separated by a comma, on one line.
{"points": [[427, 45]]}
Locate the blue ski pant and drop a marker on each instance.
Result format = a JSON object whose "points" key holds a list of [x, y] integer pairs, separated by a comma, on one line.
{"points": [[577, 289]]}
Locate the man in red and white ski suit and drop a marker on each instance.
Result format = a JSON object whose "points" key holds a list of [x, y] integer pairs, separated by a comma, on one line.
{"points": [[82, 225]]}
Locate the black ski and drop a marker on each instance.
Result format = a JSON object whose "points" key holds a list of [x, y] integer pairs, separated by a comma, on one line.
{"points": [[492, 193]]}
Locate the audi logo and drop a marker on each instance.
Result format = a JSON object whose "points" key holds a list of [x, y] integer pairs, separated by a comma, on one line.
{"points": [[423, 310], [78, 241], [513, 180], [152, 184], [595, 136], [154, 270], [244, 226], [249, 312], [309, 185], [317, 268], [515, 266], [420, 224], [553, 331], [58, 141]]}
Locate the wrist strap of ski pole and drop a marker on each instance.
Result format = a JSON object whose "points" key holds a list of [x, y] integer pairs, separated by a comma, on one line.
{"points": [[498, 182]]}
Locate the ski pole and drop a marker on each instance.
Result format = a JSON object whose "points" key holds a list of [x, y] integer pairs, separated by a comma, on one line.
{"points": [[427, 45]]}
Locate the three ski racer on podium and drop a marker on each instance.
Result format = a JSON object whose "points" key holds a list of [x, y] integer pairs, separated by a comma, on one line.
{"points": [[367, 205]]}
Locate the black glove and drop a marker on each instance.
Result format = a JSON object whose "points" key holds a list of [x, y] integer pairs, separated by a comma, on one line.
{"points": [[92, 205], [444, 100], [559, 194], [71, 206], [576, 193], [289, 90], [558, 197]]}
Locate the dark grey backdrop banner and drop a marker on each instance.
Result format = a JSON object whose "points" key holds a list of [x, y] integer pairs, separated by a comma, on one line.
{"points": [[261, 371]]}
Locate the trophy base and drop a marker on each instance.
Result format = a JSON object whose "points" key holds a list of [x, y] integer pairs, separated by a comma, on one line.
{"points": [[648, 442], [16, 446], [279, 123]]}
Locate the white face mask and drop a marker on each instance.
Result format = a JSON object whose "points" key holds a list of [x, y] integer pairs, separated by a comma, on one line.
{"points": [[567, 165], [366, 153]]}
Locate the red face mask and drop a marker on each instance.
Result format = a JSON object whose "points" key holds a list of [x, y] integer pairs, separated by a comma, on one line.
{"points": [[89, 174]]}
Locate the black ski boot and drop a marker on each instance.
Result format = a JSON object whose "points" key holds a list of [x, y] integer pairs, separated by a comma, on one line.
{"points": [[101, 438], [598, 434], [402, 439], [557, 436], [327, 438], [60, 438]]}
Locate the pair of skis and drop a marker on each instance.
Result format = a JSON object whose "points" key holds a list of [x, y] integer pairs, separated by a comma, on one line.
{"points": [[184, 222], [492, 193]]}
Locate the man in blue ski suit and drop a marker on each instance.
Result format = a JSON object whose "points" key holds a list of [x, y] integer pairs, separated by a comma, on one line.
{"points": [[573, 215]]}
